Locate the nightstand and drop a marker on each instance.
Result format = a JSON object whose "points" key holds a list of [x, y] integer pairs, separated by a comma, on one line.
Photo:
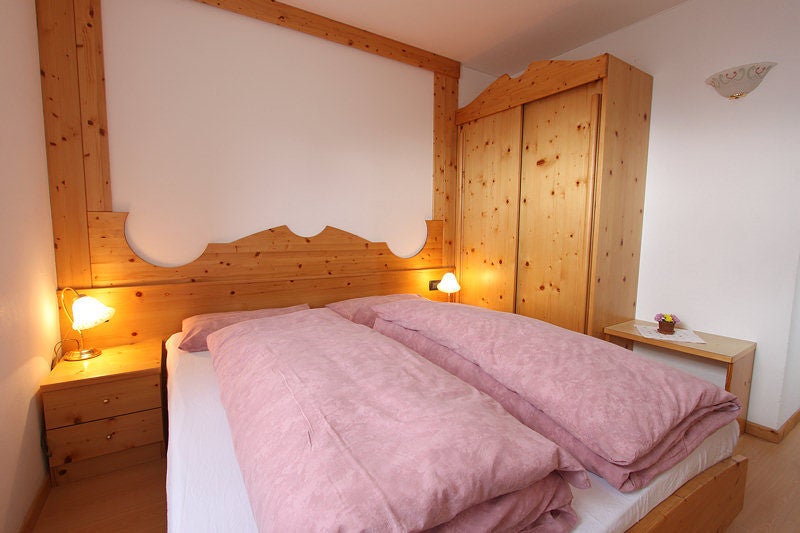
{"points": [[105, 413], [735, 355]]}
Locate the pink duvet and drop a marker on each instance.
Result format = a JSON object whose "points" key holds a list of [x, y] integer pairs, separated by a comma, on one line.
{"points": [[338, 428], [624, 417]]}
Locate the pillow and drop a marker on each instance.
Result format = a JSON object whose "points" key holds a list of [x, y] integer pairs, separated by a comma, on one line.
{"points": [[359, 310], [197, 328]]}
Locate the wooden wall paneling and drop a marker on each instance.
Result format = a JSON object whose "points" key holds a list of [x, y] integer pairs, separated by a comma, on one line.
{"points": [[156, 311], [94, 121], [63, 136], [331, 30], [540, 79], [489, 200], [445, 161], [73, 86], [272, 254], [622, 166], [558, 139]]}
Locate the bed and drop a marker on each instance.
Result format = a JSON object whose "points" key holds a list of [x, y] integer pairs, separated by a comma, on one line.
{"points": [[206, 491], [276, 268]]}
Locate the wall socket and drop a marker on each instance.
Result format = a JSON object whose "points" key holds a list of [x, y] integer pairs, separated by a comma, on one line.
{"points": [[433, 284]]}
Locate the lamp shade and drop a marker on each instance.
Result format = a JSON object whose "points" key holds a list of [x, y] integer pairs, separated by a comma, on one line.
{"points": [[449, 284], [736, 82], [88, 312]]}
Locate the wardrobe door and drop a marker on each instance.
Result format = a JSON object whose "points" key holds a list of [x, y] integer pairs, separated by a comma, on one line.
{"points": [[559, 143], [490, 163]]}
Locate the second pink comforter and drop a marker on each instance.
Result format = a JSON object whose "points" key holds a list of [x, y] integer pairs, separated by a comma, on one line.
{"points": [[624, 417], [338, 428]]}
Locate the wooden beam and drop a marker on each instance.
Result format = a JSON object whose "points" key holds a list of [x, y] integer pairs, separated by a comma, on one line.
{"points": [[445, 161], [338, 32], [540, 79], [62, 124], [94, 122]]}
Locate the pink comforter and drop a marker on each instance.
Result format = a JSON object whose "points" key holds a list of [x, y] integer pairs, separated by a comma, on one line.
{"points": [[338, 428], [624, 417]]}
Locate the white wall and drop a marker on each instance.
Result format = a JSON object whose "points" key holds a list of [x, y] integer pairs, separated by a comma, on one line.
{"points": [[471, 84], [221, 126], [721, 236], [28, 311], [791, 376]]}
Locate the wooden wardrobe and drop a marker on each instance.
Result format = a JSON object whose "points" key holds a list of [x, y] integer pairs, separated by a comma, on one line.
{"points": [[552, 168]]}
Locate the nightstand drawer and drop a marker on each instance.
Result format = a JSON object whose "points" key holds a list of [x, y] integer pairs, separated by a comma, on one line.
{"points": [[92, 439], [76, 405]]}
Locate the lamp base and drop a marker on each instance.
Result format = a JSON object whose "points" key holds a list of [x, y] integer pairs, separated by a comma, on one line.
{"points": [[81, 355]]}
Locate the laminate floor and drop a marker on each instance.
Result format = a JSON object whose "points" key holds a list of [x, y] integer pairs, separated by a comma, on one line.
{"points": [[772, 493], [134, 499]]}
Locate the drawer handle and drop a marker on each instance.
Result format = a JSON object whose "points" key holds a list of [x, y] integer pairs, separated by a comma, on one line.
{"points": [[108, 437], [106, 400]]}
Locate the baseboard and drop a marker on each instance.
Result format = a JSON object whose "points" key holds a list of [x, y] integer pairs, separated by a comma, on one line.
{"points": [[32, 516], [773, 435]]}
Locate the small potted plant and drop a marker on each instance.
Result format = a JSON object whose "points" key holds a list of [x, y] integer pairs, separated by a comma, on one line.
{"points": [[666, 323]]}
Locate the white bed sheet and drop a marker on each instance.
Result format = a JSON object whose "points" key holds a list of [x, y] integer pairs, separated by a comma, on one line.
{"points": [[206, 492]]}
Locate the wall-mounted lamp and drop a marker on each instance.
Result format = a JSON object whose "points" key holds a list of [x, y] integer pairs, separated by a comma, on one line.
{"points": [[87, 312], [449, 285], [739, 81]]}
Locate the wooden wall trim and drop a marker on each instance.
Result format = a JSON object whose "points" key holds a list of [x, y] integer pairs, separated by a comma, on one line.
{"points": [[73, 92], [63, 137], [94, 120], [35, 509], [338, 32], [445, 151], [773, 435], [540, 79]]}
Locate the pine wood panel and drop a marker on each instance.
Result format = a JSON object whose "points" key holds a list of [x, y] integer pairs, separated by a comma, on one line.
{"points": [[489, 209], [445, 171], [273, 254], [103, 400], [100, 437], [102, 464], [540, 79], [63, 135], [558, 139], [331, 30], [94, 121], [622, 164]]}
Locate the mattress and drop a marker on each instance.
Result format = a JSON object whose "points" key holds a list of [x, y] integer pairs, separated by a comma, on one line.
{"points": [[206, 492]]}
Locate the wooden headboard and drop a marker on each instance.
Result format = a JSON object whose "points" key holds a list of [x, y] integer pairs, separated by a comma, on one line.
{"points": [[271, 268]]}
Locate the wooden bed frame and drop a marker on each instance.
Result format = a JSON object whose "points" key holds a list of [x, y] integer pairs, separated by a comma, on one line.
{"points": [[274, 267]]}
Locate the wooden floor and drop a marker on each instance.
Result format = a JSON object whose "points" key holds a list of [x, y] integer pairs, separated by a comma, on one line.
{"points": [[134, 500], [772, 493]]}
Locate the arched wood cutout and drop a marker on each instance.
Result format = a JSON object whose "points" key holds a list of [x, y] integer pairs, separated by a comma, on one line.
{"points": [[273, 268], [273, 254]]}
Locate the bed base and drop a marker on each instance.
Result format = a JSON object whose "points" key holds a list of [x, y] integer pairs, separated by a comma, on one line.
{"points": [[708, 502]]}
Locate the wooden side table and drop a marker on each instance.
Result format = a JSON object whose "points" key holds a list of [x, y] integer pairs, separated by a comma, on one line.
{"points": [[105, 413], [734, 354]]}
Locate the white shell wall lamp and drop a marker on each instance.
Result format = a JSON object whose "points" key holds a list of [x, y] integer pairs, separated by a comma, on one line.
{"points": [[736, 82]]}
